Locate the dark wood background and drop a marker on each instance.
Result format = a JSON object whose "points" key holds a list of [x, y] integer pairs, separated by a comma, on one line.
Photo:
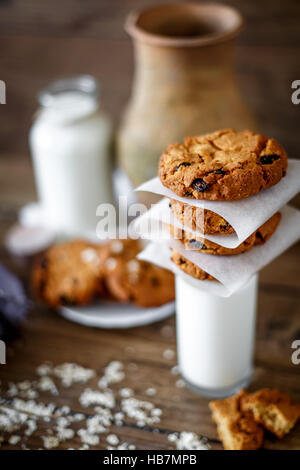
{"points": [[41, 40]]}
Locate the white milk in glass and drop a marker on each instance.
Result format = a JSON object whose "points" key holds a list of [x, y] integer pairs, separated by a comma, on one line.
{"points": [[215, 337], [70, 143]]}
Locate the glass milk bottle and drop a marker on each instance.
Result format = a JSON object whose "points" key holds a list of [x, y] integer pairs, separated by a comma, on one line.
{"points": [[70, 145]]}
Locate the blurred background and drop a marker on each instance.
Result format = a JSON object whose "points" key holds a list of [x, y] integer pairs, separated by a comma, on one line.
{"points": [[43, 40]]}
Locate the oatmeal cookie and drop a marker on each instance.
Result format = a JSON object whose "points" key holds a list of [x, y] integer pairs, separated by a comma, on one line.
{"points": [[224, 165], [274, 410], [193, 242], [236, 429], [128, 279], [140, 282], [190, 268], [200, 220], [68, 273]]}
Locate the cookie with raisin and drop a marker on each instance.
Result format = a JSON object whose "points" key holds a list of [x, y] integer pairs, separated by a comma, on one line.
{"points": [[196, 243], [222, 166], [128, 279], [200, 220], [190, 268], [68, 273]]}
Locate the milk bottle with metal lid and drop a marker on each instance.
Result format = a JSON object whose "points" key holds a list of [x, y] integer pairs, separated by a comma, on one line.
{"points": [[70, 145]]}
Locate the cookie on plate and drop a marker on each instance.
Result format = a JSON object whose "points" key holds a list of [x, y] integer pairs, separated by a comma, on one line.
{"points": [[190, 268], [193, 242], [68, 273], [140, 282], [200, 220], [276, 411], [236, 429], [223, 165], [128, 279]]}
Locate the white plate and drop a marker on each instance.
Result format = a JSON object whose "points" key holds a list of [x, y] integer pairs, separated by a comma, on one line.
{"points": [[116, 315]]}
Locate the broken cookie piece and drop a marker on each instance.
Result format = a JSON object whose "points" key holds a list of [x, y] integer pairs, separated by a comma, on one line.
{"points": [[274, 410], [236, 428]]}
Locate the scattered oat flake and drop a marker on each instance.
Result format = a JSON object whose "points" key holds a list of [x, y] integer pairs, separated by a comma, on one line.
{"points": [[87, 438], [14, 439], [44, 369], [167, 331], [180, 383], [11, 420], [140, 411], [70, 373], [32, 407], [110, 407], [46, 384], [31, 427], [122, 446], [169, 354], [112, 439], [188, 441], [113, 373], [50, 442], [126, 392], [94, 397]]}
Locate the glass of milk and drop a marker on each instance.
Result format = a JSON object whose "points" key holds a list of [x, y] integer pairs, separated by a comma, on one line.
{"points": [[70, 142], [215, 337]]}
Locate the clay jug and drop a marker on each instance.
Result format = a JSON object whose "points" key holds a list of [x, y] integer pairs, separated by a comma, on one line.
{"points": [[184, 82]]}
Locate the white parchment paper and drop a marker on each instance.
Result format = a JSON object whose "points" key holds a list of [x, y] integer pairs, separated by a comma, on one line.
{"points": [[231, 271], [150, 225], [244, 215]]}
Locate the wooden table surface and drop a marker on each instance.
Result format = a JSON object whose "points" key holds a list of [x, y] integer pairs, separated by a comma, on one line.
{"points": [[48, 337]]}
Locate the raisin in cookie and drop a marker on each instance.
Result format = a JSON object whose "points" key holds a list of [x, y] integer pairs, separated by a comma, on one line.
{"points": [[193, 242], [68, 274], [190, 268], [224, 165], [236, 429], [200, 220], [274, 410]]}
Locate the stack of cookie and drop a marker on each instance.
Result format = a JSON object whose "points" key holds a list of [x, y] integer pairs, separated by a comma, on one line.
{"points": [[222, 166]]}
